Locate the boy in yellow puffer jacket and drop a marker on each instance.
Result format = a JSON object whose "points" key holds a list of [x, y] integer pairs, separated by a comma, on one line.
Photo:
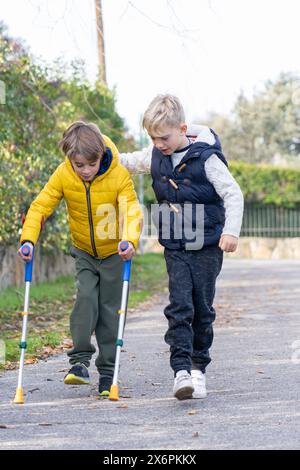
{"points": [[103, 210]]}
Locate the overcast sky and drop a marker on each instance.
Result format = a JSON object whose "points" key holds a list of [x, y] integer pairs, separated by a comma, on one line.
{"points": [[204, 51]]}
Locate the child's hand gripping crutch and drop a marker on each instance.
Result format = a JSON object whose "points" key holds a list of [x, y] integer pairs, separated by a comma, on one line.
{"points": [[25, 250], [114, 390]]}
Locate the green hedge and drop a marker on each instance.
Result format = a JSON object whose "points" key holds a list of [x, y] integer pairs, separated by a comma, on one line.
{"points": [[268, 185], [265, 185]]}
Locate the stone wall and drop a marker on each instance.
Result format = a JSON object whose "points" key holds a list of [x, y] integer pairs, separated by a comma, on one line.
{"points": [[267, 248], [252, 248], [46, 266]]}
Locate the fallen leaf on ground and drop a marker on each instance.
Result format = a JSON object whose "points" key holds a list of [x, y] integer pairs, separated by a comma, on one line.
{"points": [[67, 343], [33, 390], [31, 361], [192, 412]]}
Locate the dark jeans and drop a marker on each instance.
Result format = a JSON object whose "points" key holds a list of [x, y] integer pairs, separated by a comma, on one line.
{"points": [[192, 280]]}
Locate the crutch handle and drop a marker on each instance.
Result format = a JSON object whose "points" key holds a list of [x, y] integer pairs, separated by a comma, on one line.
{"points": [[127, 269], [127, 264], [29, 264], [25, 250], [124, 246]]}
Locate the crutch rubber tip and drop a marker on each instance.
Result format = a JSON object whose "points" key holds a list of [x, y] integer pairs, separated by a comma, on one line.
{"points": [[114, 394], [19, 398]]}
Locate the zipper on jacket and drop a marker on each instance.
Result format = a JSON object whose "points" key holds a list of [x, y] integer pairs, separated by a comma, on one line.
{"points": [[89, 206]]}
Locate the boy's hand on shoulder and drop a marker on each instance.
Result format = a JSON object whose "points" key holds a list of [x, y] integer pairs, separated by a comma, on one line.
{"points": [[228, 243], [127, 254]]}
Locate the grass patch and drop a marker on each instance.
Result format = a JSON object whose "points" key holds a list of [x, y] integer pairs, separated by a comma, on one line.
{"points": [[51, 304], [11, 299], [36, 345]]}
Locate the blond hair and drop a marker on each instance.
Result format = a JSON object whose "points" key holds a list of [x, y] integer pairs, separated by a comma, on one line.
{"points": [[83, 139], [164, 110]]}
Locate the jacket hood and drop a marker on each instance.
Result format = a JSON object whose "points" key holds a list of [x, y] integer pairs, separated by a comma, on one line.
{"points": [[205, 136]]}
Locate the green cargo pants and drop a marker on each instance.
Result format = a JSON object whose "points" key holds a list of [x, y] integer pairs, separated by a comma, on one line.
{"points": [[99, 291]]}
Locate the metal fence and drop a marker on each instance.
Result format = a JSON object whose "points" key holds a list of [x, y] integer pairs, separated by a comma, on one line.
{"points": [[270, 221]]}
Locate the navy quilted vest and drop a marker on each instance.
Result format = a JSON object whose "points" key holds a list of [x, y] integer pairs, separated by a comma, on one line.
{"points": [[189, 197]]}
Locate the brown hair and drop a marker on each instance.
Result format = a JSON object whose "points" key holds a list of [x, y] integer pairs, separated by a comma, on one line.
{"points": [[83, 139]]}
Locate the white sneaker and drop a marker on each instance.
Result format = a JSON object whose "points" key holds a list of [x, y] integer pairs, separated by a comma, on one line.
{"points": [[199, 383], [183, 385]]}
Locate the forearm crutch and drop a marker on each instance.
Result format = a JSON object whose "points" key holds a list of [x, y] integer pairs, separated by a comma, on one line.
{"points": [[19, 397], [114, 389]]}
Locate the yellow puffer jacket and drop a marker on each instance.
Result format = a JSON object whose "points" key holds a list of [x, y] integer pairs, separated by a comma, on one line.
{"points": [[100, 213]]}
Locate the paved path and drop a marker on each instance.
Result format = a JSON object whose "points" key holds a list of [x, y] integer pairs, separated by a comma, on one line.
{"points": [[253, 381]]}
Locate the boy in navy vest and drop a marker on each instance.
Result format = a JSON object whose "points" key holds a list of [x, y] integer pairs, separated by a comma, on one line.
{"points": [[199, 217]]}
